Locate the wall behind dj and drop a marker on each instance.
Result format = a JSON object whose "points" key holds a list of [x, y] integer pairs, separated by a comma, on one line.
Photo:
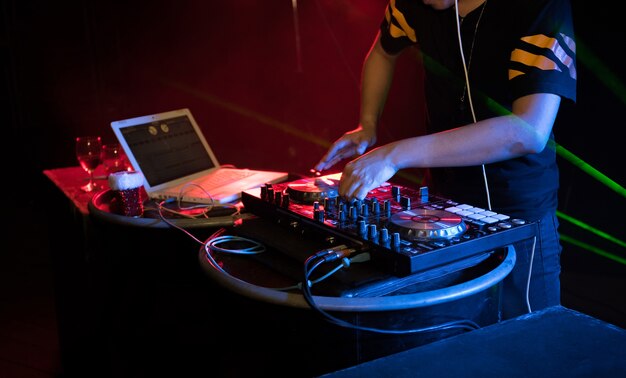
{"points": [[271, 83]]}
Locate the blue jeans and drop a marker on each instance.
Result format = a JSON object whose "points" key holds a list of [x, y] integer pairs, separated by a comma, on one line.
{"points": [[545, 286]]}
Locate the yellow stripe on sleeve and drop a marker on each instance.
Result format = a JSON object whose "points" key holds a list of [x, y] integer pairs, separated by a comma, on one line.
{"points": [[514, 73], [404, 30], [543, 62], [533, 60]]}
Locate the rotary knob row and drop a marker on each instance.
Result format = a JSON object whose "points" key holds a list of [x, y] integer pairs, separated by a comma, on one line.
{"points": [[378, 236], [276, 197]]}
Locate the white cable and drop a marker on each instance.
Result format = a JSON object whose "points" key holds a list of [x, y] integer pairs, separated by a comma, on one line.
{"points": [[467, 85], [530, 271], [255, 247]]}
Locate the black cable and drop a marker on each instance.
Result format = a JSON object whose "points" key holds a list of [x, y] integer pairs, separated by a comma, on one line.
{"points": [[320, 258]]}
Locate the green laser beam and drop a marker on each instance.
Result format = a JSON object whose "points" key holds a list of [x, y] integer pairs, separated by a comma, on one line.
{"points": [[591, 171], [591, 229], [604, 75], [593, 249]]}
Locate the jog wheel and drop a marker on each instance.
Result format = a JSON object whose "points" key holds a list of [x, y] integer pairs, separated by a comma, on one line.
{"points": [[424, 224]]}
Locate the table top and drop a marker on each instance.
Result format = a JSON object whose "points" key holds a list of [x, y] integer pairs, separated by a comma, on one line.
{"points": [[70, 179]]}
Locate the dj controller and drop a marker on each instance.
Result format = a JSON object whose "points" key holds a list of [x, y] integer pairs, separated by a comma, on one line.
{"points": [[403, 229]]}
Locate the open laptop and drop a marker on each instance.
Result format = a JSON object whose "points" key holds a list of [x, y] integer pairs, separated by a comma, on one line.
{"points": [[178, 163]]}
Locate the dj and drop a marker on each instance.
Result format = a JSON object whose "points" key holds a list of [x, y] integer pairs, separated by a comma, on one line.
{"points": [[491, 110]]}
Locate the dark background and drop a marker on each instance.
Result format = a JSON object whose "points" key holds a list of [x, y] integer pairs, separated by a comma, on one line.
{"points": [[272, 88]]}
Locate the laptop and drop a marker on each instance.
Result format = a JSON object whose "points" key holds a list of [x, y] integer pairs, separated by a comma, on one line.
{"points": [[177, 162]]}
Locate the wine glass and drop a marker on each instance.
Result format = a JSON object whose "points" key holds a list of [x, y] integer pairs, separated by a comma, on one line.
{"points": [[113, 158], [88, 149]]}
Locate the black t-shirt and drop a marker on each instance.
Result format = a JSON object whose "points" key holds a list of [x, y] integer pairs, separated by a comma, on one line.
{"points": [[512, 48]]}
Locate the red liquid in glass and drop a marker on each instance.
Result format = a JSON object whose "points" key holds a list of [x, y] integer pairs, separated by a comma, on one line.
{"points": [[89, 162]]}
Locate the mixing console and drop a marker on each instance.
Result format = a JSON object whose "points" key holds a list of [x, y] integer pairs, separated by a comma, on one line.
{"points": [[404, 230]]}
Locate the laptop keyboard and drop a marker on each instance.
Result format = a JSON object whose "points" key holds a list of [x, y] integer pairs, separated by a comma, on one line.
{"points": [[223, 177]]}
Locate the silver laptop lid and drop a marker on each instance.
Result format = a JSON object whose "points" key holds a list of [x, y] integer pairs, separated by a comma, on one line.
{"points": [[168, 148]]}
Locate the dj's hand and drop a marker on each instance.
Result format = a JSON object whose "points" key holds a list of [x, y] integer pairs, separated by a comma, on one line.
{"points": [[352, 143], [366, 173]]}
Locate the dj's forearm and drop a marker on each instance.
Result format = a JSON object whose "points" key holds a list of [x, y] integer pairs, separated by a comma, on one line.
{"points": [[376, 79]]}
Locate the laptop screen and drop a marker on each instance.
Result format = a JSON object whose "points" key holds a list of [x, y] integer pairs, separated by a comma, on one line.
{"points": [[167, 149]]}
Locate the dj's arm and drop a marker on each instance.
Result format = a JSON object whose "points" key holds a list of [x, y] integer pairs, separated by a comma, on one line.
{"points": [[525, 131], [377, 75]]}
